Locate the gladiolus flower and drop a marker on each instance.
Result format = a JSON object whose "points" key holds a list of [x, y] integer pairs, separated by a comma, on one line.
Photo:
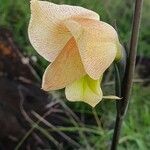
{"points": [[79, 46]]}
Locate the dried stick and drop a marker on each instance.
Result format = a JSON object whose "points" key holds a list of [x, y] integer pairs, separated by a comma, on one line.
{"points": [[128, 78]]}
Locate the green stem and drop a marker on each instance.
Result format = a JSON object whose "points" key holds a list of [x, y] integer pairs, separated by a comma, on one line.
{"points": [[128, 78]]}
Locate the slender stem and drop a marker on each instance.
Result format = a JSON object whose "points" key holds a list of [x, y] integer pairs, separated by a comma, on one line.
{"points": [[117, 131], [128, 78], [127, 83]]}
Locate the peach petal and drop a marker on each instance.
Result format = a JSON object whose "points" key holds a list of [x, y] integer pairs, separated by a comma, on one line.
{"points": [[96, 41], [46, 31], [66, 68], [46, 36], [62, 12]]}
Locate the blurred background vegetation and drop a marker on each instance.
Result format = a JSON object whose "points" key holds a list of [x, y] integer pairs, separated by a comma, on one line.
{"points": [[15, 16]]}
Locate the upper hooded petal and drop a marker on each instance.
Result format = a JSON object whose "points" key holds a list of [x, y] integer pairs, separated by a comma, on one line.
{"points": [[97, 43], [46, 31], [66, 68], [47, 37], [62, 12]]}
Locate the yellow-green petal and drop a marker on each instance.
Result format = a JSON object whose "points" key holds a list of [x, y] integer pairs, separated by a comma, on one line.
{"points": [[86, 90]]}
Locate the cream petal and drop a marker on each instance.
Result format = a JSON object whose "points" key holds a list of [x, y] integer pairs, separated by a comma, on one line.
{"points": [[66, 68], [86, 90], [47, 37], [46, 31], [96, 41], [62, 12]]}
